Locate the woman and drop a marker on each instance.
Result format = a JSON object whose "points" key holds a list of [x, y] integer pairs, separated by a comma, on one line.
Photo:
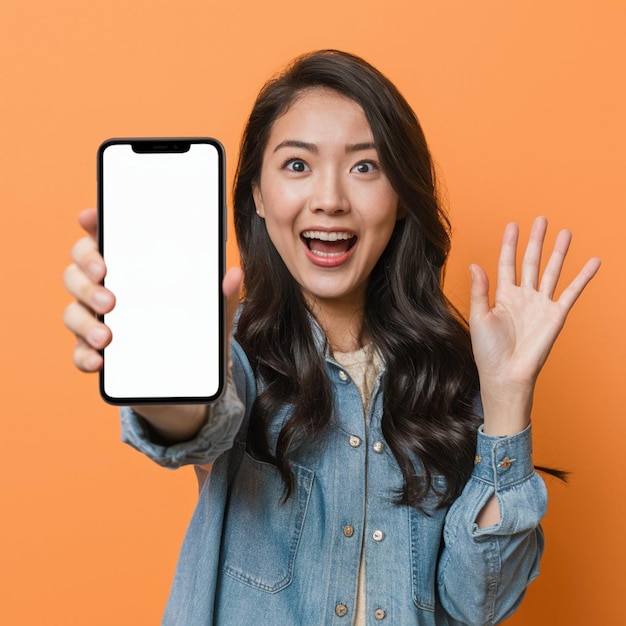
{"points": [[370, 462]]}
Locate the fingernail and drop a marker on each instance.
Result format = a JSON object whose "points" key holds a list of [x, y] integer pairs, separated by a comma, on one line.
{"points": [[95, 270], [101, 299], [93, 362], [97, 336]]}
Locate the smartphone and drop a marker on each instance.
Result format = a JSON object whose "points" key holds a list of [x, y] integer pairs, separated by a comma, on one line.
{"points": [[161, 231]]}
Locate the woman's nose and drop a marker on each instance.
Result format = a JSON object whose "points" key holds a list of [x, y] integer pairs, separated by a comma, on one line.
{"points": [[329, 194]]}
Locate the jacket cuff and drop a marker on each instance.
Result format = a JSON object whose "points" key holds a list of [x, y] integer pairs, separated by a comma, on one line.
{"points": [[503, 461], [214, 438]]}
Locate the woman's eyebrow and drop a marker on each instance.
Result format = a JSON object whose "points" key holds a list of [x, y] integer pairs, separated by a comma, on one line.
{"points": [[292, 143], [311, 147], [357, 147]]}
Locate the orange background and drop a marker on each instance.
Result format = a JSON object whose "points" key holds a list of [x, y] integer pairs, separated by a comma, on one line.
{"points": [[524, 105]]}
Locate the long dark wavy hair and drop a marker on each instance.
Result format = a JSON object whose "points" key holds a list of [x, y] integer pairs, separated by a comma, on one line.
{"points": [[430, 382]]}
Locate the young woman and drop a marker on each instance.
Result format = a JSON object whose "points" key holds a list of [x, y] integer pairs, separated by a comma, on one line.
{"points": [[370, 461]]}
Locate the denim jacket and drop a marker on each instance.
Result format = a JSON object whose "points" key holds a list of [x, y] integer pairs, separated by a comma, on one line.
{"points": [[249, 558]]}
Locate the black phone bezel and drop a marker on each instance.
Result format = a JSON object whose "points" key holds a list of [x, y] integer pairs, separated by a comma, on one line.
{"points": [[169, 145]]}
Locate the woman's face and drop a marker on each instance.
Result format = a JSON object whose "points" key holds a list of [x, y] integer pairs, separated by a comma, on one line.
{"points": [[328, 207]]}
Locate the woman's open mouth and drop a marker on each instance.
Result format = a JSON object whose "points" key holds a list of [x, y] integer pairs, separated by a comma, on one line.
{"points": [[328, 245], [328, 249]]}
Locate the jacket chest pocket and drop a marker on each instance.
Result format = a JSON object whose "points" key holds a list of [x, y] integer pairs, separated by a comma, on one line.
{"points": [[426, 537], [261, 532]]}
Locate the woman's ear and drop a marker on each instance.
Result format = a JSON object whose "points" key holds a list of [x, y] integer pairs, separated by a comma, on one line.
{"points": [[258, 200]]}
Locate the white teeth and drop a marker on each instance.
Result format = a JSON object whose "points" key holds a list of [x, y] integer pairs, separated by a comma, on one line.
{"points": [[326, 254], [325, 236]]}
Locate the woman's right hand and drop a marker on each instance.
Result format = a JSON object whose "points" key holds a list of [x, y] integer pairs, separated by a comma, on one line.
{"points": [[82, 279]]}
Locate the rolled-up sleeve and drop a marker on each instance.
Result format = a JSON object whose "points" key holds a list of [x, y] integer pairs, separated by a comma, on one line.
{"points": [[484, 572], [215, 437]]}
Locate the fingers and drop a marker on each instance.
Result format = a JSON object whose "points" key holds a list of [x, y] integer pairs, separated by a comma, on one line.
{"points": [[508, 252], [553, 269], [82, 279], [232, 281], [91, 335], [86, 359], [86, 256], [530, 274], [552, 272], [231, 284], [532, 256], [479, 293], [81, 321], [575, 288], [93, 295], [88, 220]]}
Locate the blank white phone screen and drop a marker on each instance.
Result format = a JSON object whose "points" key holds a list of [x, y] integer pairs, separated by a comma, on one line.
{"points": [[161, 244]]}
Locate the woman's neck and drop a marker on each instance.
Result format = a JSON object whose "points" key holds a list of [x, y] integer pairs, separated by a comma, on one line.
{"points": [[342, 323]]}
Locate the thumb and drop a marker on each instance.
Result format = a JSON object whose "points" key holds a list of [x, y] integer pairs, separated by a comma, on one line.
{"points": [[479, 293], [88, 219], [231, 285]]}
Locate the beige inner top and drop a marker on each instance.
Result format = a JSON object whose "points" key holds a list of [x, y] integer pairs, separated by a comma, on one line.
{"points": [[363, 365]]}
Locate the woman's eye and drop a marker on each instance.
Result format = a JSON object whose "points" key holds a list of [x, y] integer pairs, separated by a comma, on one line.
{"points": [[365, 167], [296, 165]]}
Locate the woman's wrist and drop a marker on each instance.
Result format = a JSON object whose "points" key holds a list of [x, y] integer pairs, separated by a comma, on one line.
{"points": [[506, 410], [174, 423]]}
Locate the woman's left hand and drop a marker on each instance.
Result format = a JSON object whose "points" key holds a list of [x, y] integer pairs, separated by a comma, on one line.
{"points": [[511, 340]]}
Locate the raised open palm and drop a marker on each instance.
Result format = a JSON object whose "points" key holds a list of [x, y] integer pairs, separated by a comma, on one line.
{"points": [[512, 338]]}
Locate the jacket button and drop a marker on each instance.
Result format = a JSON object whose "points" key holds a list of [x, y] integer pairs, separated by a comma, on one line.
{"points": [[341, 610], [342, 375], [355, 441], [379, 614], [378, 535], [505, 463], [348, 530], [378, 446]]}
